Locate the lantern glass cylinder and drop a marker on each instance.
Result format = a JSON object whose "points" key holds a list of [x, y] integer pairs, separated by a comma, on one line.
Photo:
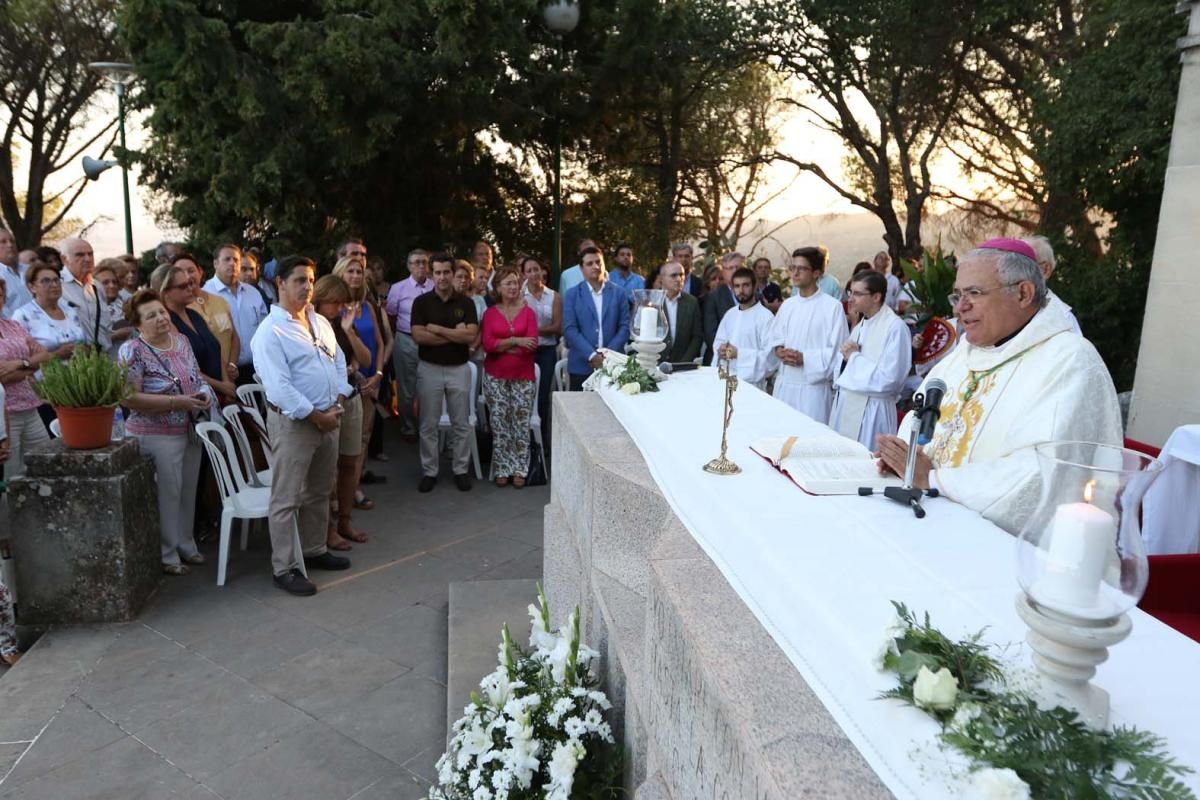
{"points": [[649, 320]]}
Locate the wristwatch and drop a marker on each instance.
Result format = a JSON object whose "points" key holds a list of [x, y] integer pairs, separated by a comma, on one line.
{"points": [[25, 364]]}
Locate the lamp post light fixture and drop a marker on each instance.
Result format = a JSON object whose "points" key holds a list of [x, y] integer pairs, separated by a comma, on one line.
{"points": [[561, 17], [119, 75]]}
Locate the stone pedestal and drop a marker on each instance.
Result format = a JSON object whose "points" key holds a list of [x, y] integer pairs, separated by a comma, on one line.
{"points": [[1166, 388], [85, 534], [704, 701]]}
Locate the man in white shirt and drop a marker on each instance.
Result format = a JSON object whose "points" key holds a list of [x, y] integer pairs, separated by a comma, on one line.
{"points": [[1047, 262], [304, 374], [12, 274], [246, 304], [81, 294], [744, 335], [876, 360], [883, 265], [808, 330]]}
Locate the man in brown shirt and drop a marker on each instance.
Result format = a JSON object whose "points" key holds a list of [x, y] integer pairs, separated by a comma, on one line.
{"points": [[444, 324]]}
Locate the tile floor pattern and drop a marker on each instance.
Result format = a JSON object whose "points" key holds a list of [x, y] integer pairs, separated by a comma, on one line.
{"points": [[243, 692]]}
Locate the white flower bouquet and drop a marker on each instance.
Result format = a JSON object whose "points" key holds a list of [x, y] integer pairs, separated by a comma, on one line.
{"points": [[536, 728]]}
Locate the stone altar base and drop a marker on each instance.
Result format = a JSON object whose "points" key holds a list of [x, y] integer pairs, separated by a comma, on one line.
{"points": [[706, 703], [85, 534]]}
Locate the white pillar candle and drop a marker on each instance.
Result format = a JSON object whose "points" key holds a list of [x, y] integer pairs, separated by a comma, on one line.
{"points": [[648, 315], [1082, 538]]}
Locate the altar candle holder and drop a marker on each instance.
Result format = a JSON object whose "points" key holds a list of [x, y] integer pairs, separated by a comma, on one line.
{"points": [[721, 465], [1082, 566], [649, 326]]}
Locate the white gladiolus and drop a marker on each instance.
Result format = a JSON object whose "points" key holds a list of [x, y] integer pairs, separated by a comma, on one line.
{"points": [[558, 660], [999, 784], [562, 768], [936, 691], [539, 637]]}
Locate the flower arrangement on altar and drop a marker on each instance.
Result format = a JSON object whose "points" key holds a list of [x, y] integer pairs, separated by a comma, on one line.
{"points": [[1017, 749], [629, 376], [536, 727]]}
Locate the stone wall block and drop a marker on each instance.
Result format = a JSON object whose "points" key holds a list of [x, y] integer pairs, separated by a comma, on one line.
{"points": [[627, 518], [565, 575]]}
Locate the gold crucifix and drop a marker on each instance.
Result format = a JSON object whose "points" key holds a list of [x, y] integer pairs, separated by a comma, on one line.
{"points": [[722, 465]]}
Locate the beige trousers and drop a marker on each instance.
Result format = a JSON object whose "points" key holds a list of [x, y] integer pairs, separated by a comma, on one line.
{"points": [[25, 431], [177, 470], [303, 474], [452, 385]]}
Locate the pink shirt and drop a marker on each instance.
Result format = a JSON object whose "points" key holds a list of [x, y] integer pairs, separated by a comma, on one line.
{"points": [[173, 372], [516, 363], [400, 299], [16, 344]]}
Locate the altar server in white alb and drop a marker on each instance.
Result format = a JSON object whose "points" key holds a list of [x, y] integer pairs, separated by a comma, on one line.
{"points": [[744, 335], [1021, 376], [876, 360], [808, 330]]}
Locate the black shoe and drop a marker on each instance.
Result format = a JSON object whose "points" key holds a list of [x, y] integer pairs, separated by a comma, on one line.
{"points": [[294, 582], [427, 483], [327, 560], [369, 477], [463, 482]]}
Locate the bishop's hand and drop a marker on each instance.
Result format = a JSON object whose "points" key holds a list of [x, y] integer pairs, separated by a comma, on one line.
{"points": [[893, 457]]}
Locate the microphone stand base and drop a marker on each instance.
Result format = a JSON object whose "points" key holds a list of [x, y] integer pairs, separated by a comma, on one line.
{"points": [[904, 495]]}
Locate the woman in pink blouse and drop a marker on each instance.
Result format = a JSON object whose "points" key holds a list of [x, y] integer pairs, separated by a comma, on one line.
{"points": [[170, 395], [510, 340], [20, 358]]}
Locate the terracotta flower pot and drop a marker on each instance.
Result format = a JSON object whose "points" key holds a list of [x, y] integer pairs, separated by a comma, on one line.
{"points": [[85, 428]]}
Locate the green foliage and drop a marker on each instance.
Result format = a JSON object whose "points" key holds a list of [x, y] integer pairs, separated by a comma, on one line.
{"points": [[931, 284], [90, 379], [630, 372], [1051, 750]]}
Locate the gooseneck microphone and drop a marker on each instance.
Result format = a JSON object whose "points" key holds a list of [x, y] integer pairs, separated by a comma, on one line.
{"points": [[931, 412]]}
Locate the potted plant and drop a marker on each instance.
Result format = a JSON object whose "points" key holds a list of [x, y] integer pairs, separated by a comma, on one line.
{"points": [[930, 284], [85, 392]]}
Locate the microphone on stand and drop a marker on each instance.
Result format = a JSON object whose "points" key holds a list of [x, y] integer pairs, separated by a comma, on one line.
{"points": [[931, 412]]}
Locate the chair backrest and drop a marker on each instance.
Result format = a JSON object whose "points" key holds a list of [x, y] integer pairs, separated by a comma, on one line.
{"points": [[253, 395], [216, 440], [534, 419], [233, 416], [562, 381], [471, 415], [55, 429]]}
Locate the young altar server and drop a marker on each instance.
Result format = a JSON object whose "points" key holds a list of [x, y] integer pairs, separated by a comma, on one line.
{"points": [[1020, 377], [744, 335], [808, 330], [876, 360]]}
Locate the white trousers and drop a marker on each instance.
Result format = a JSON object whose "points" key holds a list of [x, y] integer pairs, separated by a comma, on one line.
{"points": [[177, 468], [25, 431]]}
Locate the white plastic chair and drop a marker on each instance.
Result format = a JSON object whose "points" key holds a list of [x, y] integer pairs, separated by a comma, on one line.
{"points": [[240, 499], [562, 379], [55, 429], [233, 417], [472, 419], [253, 395], [535, 421]]}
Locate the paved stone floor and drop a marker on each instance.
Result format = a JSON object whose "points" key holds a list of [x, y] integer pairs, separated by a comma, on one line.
{"points": [[243, 692]]}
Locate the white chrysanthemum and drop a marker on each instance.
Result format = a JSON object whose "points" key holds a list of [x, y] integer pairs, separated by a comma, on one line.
{"points": [[482, 793], [605, 732], [574, 727], [473, 778], [563, 705], [999, 784], [600, 699], [965, 714], [592, 719], [578, 691]]}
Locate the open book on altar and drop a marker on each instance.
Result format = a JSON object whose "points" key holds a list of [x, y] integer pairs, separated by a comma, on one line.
{"points": [[828, 464]]}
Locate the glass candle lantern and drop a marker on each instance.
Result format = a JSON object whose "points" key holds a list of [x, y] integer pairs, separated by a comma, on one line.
{"points": [[648, 322], [1080, 555]]}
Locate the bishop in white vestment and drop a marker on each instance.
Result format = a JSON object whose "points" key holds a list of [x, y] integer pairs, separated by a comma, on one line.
{"points": [[808, 330], [744, 335], [1020, 377], [876, 360]]}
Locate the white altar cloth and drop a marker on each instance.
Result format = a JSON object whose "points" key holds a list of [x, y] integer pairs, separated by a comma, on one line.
{"points": [[819, 572]]}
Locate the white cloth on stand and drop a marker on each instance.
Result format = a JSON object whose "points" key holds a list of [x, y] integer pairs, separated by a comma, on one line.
{"points": [[818, 573], [1171, 509], [870, 384], [816, 326], [750, 332]]}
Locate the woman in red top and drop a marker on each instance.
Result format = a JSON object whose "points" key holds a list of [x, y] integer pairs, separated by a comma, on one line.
{"points": [[510, 339]]}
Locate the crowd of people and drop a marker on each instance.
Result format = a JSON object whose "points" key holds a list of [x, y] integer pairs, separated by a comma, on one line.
{"points": [[336, 353]]}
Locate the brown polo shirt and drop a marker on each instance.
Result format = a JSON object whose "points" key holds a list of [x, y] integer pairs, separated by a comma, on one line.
{"points": [[429, 309]]}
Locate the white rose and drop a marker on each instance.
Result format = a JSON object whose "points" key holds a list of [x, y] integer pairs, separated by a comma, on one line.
{"points": [[630, 388], [935, 691], [999, 784]]}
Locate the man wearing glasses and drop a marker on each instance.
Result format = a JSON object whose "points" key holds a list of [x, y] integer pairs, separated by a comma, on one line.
{"points": [[1021, 376], [875, 361], [808, 330], [304, 374]]}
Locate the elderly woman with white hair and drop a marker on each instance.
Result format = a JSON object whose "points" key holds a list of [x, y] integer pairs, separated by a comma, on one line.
{"points": [[1020, 376]]}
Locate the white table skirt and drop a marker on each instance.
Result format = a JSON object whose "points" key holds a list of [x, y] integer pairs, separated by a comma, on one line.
{"points": [[819, 572], [1171, 510]]}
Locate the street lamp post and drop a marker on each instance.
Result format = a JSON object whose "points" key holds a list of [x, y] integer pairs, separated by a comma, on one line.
{"points": [[560, 17], [120, 75]]}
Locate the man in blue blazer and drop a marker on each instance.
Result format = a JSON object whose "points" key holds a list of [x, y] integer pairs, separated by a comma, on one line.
{"points": [[595, 315]]}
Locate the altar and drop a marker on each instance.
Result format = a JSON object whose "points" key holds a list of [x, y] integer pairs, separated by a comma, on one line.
{"points": [[739, 618]]}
